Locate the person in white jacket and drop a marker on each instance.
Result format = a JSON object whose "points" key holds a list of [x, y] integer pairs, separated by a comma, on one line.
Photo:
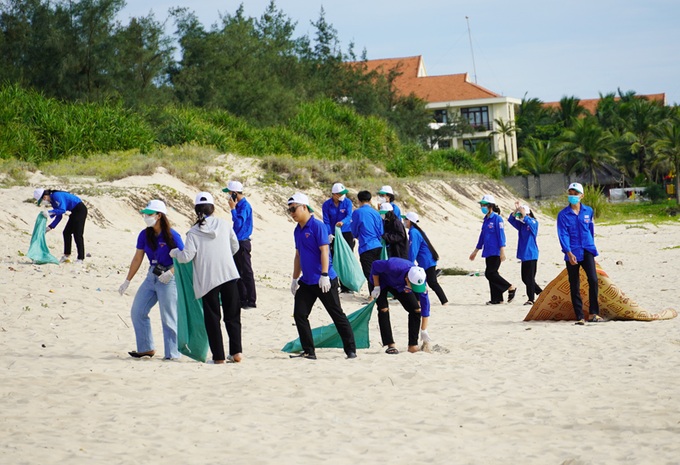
{"points": [[211, 244]]}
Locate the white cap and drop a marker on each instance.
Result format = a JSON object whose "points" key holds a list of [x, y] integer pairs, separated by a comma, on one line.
{"points": [[154, 206], [300, 199], [412, 217], [38, 194], [386, 207], [488, 198], [339, 188], [417, 278], [525, 208], [576, 186], [204, 198], [233, 186], [386, 190]]}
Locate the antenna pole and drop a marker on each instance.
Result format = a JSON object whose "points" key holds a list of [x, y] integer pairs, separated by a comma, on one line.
{"points": [[472, 52]]}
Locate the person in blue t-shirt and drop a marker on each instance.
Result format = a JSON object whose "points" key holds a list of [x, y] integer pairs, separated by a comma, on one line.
{"points": [[242, 218], [422, 252], [367, 227], [155, 242], [314, 278], [576, 232], [337, 212], [492, 241], [386, 195], [60, 203], [408, 284], [526, 224]]}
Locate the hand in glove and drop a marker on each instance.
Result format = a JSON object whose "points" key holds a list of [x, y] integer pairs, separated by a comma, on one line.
{"points": [[173, 253], [375, 293], [166, 276], [294, 286], [325, 283], [331, 237], [45, 214], [424, 336], [123, 287]]}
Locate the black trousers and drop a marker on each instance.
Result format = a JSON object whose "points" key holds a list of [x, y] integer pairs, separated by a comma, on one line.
{"points": [[431, 274], [305, 297], [529, 278], [497, 285], [228, 293], [588, 264], [366, 259], [409, 301], [246, 285], [349, 238], [75, 227]]}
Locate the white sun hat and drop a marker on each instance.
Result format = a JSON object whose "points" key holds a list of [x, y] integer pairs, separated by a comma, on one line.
{"points": [[154, 206], [576, 186], [488, 198], [204, 198], [339, 188], [233, 186], [386, 190], [418, 279], [300, 199]]}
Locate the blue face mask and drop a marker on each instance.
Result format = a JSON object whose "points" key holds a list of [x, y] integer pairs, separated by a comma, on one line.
{"points": [[485, 210], [574, 199]]}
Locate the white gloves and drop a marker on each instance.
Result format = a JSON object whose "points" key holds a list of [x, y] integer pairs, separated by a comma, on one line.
{"points": [[173, 253], [294, 286], [123, 287], [45, 214], [166, 276], [324, 283], [375, 293], [424, 336], [331, 237]]}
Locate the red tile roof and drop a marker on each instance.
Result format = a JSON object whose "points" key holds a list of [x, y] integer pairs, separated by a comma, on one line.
{"points": [[591, 104], [432, 89]]}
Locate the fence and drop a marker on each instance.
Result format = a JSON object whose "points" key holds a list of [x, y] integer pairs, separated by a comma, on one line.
{"points": [[540, 187]]}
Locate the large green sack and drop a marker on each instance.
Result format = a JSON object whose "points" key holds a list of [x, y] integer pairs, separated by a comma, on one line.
{"points": [[192, 339], [383, 252], [38, 250], [327, 336], [345, 263]]}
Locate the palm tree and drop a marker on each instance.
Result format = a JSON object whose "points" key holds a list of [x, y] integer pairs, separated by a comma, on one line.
{"points": [[587, 149], [505, 129], [569, 111], [642, 117], [667, 147], [537, 157]]}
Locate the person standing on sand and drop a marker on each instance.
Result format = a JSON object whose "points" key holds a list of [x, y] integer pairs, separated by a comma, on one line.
{"points": [[62, 202], [314, 278], [211, 245], [337, 212], [395, 236], [242, 218], [576, 232], [367, 227], [492, 240], [407, 283], [523, 220], [155, 242]]}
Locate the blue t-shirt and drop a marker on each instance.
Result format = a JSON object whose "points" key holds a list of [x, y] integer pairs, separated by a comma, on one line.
{"points": [[418, 251], [242, 216], [397, 211], [308, 239], [392, 273], [527, 249], [333, 214], [367, 227], [161, 255], [61, 202], [576, 232], [492, 237]]}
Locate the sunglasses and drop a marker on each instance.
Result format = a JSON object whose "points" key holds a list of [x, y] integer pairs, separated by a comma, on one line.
{"points": [[292, 208]]}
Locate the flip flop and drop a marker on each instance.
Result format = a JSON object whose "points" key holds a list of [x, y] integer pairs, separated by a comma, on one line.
{"points": [[303, 355], [136, 354], [392, 351], [511, 294]]}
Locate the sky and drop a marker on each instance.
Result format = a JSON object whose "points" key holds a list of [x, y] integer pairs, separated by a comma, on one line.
{"points": [[544, 49]]}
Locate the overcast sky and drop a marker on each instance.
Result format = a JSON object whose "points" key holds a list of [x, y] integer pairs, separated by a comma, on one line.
{"points": [[545, 49]]}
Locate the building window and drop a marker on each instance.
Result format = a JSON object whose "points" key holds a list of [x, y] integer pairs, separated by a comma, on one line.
{"points": [[477, 117], [440, 116], [470, 145], [445, 144]]}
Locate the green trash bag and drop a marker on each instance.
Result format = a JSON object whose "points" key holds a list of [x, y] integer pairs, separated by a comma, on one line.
{"points": [[327, 336], [38, 250], [383, 252], [192, 338], [346, 265]]}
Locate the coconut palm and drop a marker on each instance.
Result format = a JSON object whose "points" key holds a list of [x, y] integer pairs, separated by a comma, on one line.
{"points": [[642, 117], [667, 148], [587, 149], [569, 111], [506, 129], [537, 157]]}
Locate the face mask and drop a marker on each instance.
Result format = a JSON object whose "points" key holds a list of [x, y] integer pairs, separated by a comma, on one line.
{"points": [[574, 199], [150, 220], [343, 197], [485, 210], [382, 199]]}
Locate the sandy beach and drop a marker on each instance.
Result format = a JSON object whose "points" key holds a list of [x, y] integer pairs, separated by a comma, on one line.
{"points": [[494, 390]]}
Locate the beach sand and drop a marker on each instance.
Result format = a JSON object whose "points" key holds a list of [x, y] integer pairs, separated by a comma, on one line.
{"points": [[494, 389]]}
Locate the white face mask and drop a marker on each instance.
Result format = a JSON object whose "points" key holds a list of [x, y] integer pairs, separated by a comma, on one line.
{"points": [[342, 197], [150, 220], [382, 199]]}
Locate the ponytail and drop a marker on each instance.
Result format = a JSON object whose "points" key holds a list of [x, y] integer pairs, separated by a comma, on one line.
{"points": [[203, 211], [434, 253]]}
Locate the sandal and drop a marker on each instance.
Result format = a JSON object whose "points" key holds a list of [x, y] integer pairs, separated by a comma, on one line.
{"points": [[596, 319], [580, 322], [392, 351], [136, 354], [511, 294], [529, 302], [303, 355]]}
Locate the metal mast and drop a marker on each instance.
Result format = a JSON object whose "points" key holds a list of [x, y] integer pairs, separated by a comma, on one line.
{"points": [[472, 52]]}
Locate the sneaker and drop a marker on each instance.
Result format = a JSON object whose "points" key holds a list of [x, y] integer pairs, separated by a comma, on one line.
{"points": [[351, 355], [79, 262], [580, 322], [65, 259], [493, 302]]}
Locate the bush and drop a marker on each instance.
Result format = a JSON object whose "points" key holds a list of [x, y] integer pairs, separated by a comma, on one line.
{"points": [[656, 193]]}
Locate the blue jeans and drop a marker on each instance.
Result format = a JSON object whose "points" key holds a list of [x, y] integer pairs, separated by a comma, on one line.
{"points": [[150, 292]]}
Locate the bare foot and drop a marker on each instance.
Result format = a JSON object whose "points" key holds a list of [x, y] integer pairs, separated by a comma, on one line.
{"points": [[413, 349], [236, 358]]}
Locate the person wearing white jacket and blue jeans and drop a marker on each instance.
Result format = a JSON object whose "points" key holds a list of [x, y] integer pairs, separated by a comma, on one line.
{"points": [[211, 244]]}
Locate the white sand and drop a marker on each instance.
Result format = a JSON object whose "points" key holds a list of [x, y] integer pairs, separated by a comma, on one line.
{"points": [[495, 390]]}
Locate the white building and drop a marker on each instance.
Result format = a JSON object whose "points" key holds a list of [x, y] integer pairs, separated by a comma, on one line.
{"points": [[453, 95]]}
